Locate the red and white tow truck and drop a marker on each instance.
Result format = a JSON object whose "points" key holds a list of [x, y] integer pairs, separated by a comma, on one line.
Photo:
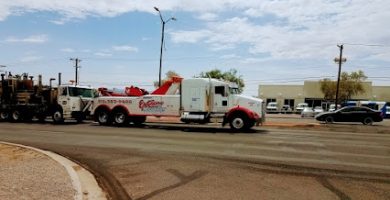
{"points": [[195, 100]]}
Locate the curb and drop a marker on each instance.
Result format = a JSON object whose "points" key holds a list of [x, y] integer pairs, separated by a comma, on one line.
{"points": [[83, 181]]}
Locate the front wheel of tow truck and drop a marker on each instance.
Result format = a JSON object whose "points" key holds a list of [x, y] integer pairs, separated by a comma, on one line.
{"points": [[240, 122], [57, 116], [103, 117], [120, 118]]}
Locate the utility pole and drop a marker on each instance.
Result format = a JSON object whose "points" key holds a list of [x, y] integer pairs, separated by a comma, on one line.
{"points": [[77, 61], [163, 22], [339, 60]]}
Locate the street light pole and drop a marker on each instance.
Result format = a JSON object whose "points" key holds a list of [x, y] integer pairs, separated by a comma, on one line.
{"points": [[339, 60], [161, 52], [163, 22]]}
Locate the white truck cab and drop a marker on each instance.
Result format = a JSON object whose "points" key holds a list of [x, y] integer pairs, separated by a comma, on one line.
{"points": [[72, 102], [207, 100]]}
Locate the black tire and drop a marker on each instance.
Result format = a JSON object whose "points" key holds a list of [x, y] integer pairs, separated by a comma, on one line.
{"points": [[103, 117], [120, 118], [57, 116], [239, 122], [4, 116], [329, 120], [16, 116], [368, 121]]}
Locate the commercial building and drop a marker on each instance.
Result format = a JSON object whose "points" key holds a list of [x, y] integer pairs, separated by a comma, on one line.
{"points": [[310, 92]]}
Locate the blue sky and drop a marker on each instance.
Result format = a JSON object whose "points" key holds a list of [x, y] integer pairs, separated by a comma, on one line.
{"points": [[268, 42]]}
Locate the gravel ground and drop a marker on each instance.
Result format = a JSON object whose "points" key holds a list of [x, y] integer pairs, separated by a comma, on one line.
{"points": [[26, 174]]}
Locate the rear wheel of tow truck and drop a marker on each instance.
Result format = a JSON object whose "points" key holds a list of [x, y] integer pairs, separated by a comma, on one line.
{"points": [[120, 118], [4, 116], [240, 122], [16, 116], [103, 117], [57, 116]]}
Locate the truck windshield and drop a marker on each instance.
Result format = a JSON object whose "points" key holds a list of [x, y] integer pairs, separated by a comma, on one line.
{"points": [[84, 92], [234, 91]]}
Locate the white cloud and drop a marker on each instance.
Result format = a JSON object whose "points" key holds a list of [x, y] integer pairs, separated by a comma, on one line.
{"points": [[125, 48], [208, 16], [30, 39], [282, 29], [296, 29]]}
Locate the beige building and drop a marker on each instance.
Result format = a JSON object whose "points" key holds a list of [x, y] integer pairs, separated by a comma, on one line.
{"points": [[310, 92]]}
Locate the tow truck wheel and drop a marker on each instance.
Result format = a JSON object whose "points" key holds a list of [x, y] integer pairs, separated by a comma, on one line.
{"points": [[120, 118], [16, 116], [239, 122], [57, 117], [4, 115], [103, 117]]}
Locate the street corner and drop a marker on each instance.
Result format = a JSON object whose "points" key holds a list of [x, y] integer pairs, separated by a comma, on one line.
{"points": [[31, 173]]}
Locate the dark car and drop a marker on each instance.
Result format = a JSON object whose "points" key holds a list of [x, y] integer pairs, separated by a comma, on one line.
{"points": [[351, 114]]}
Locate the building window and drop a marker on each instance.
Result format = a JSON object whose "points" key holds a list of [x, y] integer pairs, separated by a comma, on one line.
{"points": [[289, 102], [270, 100]]}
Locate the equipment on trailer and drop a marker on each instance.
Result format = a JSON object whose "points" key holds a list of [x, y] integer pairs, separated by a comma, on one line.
{"points": [[22, 100]]}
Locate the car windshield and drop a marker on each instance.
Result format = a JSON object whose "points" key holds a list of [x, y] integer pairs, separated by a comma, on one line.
{"points": [[83, 92]]}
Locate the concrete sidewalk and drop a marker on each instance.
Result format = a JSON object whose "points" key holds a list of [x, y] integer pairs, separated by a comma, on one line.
{"points": [[30, 173]]}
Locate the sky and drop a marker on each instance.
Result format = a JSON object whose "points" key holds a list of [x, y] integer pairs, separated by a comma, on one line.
{"points": [[267, 41]]}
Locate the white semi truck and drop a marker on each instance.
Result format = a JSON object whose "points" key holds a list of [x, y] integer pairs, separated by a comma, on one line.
{"points": [[196, 100]]}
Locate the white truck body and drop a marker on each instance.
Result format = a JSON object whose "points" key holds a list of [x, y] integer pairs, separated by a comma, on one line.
{"points": [[200, 100], [73, 102]]}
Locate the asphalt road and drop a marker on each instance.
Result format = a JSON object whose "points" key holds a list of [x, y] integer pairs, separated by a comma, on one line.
{"points": [[207, 162]]}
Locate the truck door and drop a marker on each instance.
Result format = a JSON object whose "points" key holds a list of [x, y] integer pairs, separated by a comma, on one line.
{"points": [[220, 99], [63, 98]]}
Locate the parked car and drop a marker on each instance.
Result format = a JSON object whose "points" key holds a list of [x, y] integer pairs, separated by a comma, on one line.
{"points": [[307, 112], [286, 109], [272, 107], [387, 115], [351, 114], [300, 107], [317, 110]]}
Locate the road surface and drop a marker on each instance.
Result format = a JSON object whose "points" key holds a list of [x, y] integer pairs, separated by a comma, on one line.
{"points": [[207, 162]]}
